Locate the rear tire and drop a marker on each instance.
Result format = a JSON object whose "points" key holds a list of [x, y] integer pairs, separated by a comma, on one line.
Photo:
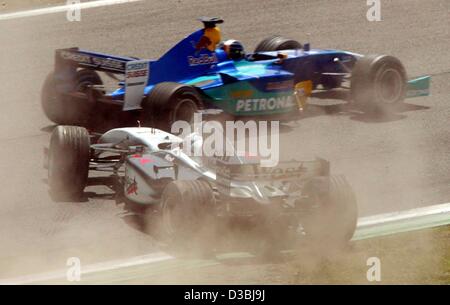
{"points": [[333, 211], [277, 43], [378, 83], [62, 109], [169, 102], [187, 215], [68, 161]]}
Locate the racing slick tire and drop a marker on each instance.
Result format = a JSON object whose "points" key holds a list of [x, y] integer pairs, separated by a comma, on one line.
{"points": [[169, 102], [277, 43], [378, 83], [61, 109], [68, 161], [187, 215], [332, 214]]}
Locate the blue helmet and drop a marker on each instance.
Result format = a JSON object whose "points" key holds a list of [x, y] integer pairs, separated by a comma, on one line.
{"points": [[234, 49]]}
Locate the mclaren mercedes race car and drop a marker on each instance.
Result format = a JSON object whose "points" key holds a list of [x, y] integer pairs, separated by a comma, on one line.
{"points": [[196, 194], [200, 72]]}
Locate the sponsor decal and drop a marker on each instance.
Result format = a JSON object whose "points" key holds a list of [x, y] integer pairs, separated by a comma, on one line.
{"points": [[133, 66], [241, 94], [203, 59], [107, 63], [280, 172], [86, 59], [144, 161], [264, 104], [137, 73], [139, 69], [80, 58], [284, 85], [302, 91], [136, 77], [131, 186]]}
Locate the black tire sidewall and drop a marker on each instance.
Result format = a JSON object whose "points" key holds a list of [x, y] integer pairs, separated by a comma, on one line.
{"points": [[51, 102], [333, 220], [69, 155], [160, 106], [62, 109], [277, 43], [188, 98], [191, 218], [365, 81]]}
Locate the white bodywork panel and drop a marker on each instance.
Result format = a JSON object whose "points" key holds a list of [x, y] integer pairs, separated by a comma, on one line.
{"points": [[136, 77], [129, 136], [151, 138], [136, 189]]}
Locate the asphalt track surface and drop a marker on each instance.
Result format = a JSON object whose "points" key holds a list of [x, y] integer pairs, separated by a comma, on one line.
{"points": [[394, 163]]}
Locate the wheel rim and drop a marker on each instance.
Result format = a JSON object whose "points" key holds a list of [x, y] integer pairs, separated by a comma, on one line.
{"points": [[184, 111], [390, 86], [82, 86]]}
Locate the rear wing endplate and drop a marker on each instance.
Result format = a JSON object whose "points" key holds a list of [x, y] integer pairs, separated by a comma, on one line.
{"points": [[91, 60]]}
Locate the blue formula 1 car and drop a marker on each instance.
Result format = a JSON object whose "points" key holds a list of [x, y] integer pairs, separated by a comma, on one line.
{"points": [[202, 73]]}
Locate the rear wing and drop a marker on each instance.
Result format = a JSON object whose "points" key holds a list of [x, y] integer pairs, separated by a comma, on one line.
{"points": [[74, 57], [136, 72], [284, 171]]}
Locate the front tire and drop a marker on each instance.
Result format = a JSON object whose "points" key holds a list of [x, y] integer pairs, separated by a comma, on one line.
{"points": [[68, 161], [378, 83], [277, 43]]}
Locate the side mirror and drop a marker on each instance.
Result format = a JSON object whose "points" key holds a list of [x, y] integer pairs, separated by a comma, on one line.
{"points": [[158, 169]]}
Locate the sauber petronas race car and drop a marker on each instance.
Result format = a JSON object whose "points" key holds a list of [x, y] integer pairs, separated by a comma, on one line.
{"points": [[197, 195], [201, 73]]}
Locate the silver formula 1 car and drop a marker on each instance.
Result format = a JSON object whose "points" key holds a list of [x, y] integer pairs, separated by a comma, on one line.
{"points": [[195, 194]]}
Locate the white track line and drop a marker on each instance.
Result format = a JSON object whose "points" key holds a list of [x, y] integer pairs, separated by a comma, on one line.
{"points": [[364, 222], [153, 258], [62, 8], [403, 215]]}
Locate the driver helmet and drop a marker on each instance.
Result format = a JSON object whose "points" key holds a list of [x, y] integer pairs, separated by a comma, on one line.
{"points": [[234, 49]]}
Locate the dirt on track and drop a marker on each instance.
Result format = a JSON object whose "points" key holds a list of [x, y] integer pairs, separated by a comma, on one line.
{"points": [[408, 258]]}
